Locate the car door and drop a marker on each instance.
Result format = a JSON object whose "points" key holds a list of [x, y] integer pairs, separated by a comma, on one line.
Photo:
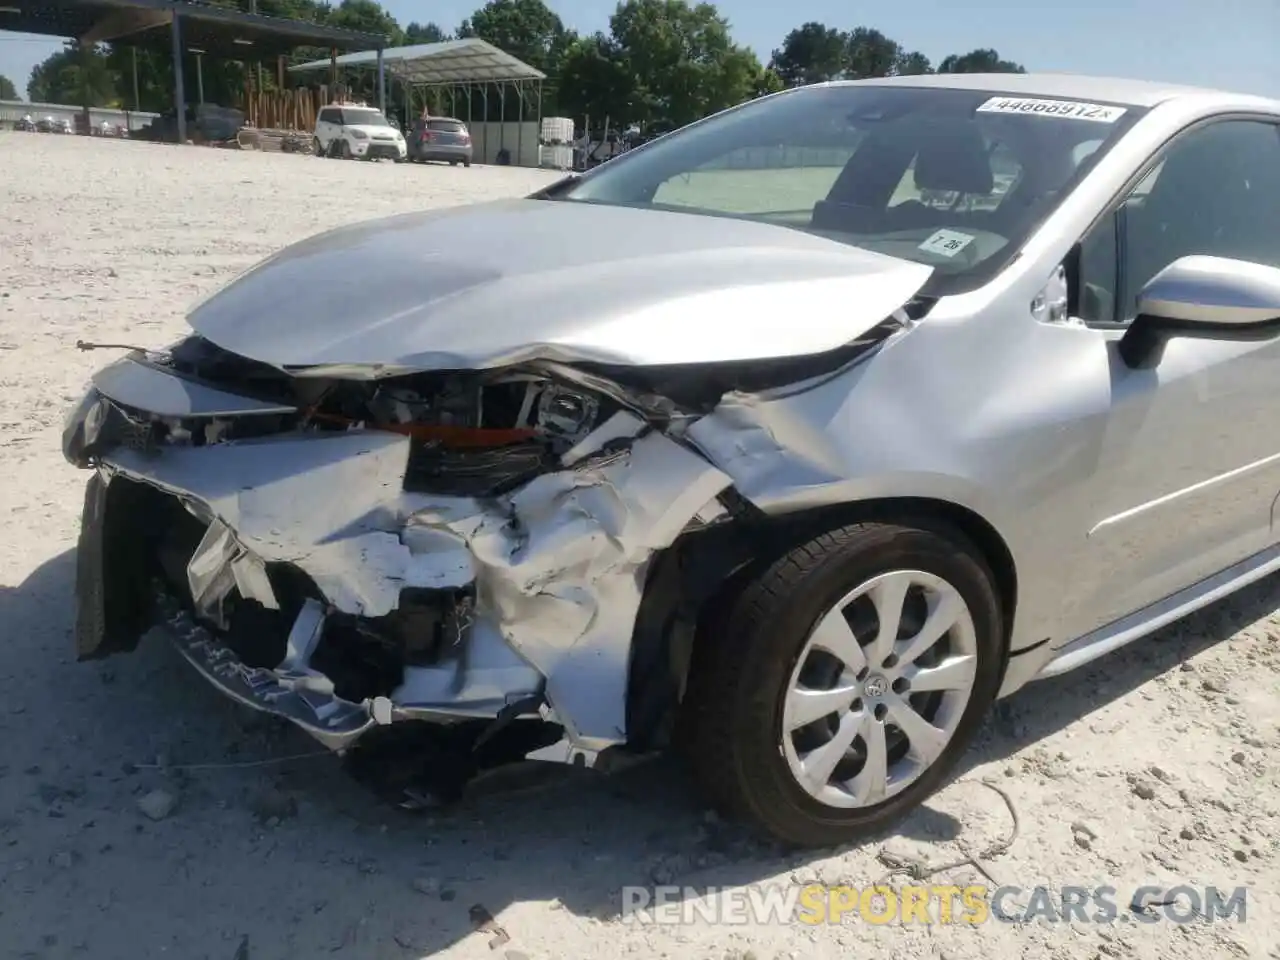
{"points": [[1189, 464]]}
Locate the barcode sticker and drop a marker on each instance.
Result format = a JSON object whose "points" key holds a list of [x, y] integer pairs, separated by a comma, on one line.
{"points": [[1061, 109]]}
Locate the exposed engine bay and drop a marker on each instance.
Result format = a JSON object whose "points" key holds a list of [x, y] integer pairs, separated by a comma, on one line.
{"points": [[471, 433]]}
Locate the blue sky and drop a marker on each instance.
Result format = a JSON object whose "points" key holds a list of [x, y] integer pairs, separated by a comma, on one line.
{"points": [[1224, 43]]}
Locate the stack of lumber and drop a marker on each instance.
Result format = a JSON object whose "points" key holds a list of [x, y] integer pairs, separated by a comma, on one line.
{"points": [[293, 109], [274, 141]]}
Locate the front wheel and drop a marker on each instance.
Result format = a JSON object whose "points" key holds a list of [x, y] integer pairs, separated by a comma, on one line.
{"points": [[845, 681]]}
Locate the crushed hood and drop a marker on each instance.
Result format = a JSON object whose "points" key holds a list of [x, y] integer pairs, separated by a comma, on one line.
{"points": [[497, 284]]}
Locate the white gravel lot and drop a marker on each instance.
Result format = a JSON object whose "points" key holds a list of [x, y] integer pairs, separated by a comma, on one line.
{"points": [[1156, 766]]}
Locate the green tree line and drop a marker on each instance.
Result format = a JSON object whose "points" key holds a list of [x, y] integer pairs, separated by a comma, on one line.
{"points": [[661, 63]]}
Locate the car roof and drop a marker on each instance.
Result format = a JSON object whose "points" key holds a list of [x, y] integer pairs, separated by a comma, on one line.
{"points": [[1136, 93]]}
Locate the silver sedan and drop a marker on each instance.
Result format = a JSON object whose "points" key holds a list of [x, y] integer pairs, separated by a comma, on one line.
{"points": [[791, 440]]}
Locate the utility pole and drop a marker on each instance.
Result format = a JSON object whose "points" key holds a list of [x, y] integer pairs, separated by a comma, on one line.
{"points": [[253, 8]]}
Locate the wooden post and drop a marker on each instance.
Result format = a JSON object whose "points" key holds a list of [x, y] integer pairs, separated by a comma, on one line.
{"points": [[86, 121], [179, 94]]}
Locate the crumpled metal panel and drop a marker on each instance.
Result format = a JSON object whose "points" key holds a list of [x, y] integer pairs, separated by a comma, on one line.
{"points": [[330, 504], [558, 565], [144, 386], [573, 566], [436, 291], [209, 573]]}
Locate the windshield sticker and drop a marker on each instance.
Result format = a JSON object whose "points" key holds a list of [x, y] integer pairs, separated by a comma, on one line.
{"points": [[946, 243], [1062, 109]]}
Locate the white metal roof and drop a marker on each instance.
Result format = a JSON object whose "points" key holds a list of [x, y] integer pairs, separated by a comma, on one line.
{"points": [[470, 60]]}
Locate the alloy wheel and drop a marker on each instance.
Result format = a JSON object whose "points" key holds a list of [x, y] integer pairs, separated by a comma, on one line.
{"points": [[879, 688]]}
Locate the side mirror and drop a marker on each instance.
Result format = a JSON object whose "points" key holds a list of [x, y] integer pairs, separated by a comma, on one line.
{"points": [[1211, 297]]}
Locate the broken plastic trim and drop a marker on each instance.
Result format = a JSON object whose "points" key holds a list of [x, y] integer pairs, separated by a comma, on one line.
{"points": [[335, 723]]}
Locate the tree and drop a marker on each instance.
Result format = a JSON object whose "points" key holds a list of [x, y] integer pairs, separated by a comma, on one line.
{"points": [[979, 61], [869, 53], [308, 10], [767, 81], [812, 53], [912, 64], [7, 90], [425, 33], [526, 29], [593, 81], [366, 16], [71, 75], [683, 61]]}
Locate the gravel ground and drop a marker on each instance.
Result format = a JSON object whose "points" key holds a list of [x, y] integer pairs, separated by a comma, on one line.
{"points": [[1154, 767]]}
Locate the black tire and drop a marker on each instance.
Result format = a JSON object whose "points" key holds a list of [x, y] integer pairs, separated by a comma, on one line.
{"points": [[467, 164], [741, 673], [344, 150], [317, 147]]}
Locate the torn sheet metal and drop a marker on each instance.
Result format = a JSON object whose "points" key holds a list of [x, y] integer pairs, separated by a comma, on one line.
{"points": [[557, 566], [565, 580], [304, 637], [209, 575], [221, 564], [491, 676], [332, 505], [250, 574], [777, 450]]}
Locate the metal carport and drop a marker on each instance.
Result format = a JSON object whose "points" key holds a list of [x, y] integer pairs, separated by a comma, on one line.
{"points": [[180, 25], [467, 67]]}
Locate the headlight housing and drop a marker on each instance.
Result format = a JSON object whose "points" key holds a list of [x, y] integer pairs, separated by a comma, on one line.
{"points": [[359, 135], [566, 412]]}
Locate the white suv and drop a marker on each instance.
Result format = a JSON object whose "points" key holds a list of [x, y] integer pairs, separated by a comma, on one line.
{"points": [[356, 132]]}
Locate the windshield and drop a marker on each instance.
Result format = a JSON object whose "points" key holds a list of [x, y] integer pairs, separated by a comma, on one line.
{"points": [[955, 179], [364, 118]]}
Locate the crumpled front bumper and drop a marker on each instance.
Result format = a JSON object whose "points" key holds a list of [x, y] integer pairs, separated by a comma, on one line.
{"points": [[556, 568], [333, 721]]}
